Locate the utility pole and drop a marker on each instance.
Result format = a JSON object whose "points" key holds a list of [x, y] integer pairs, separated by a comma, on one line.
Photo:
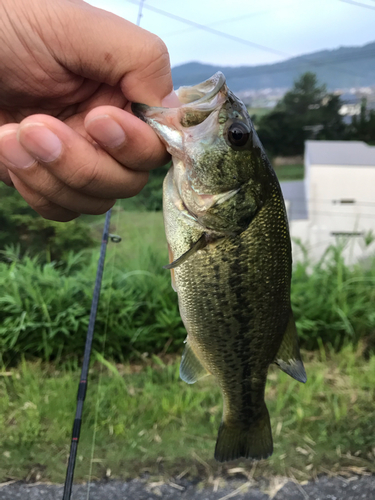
{"points": [[140, 12]]}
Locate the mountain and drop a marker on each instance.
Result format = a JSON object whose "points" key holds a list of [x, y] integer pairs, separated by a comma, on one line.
{"points": [[344, 67]]}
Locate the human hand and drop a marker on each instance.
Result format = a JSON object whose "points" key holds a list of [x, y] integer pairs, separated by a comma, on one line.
{"points": [[69, 70]]}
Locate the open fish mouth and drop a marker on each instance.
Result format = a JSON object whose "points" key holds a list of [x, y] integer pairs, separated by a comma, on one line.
{"points": [[195, 120], [197, 102], [202, 92], [194, 132]]}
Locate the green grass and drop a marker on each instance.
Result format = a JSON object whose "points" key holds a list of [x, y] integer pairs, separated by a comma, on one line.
{"points": [[44, 307], [290, 172], [149, 420]]}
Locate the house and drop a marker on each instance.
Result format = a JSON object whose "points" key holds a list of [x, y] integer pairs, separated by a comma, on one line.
{"points": [[339, 196], [351, 106]]}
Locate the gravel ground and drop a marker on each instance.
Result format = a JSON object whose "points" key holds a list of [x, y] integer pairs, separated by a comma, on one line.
{"points": [[356, 488]]}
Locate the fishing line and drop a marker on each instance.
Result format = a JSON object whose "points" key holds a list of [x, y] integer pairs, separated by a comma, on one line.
{"points": [[103, 351], [82, 387]]}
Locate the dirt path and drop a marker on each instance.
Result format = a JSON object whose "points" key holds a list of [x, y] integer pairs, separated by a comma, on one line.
{"points": [[356, 488]]}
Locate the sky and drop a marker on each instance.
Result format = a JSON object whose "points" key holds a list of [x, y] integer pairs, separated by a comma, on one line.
{"points": [[280, 29]]}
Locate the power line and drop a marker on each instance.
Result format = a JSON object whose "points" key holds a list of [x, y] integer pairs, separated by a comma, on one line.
{"points": [[211, 30], [358, 4], [222, 21], [268, 68]]}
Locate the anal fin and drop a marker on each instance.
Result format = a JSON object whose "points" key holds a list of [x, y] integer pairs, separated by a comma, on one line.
{"points": [[288, 357], [191, 369], [198, 245]]}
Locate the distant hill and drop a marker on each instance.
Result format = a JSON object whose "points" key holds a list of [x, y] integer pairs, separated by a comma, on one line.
{"points": [[340, 68]]}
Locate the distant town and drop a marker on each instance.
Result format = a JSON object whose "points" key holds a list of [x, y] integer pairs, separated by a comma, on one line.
{"points": [[351, 98]]}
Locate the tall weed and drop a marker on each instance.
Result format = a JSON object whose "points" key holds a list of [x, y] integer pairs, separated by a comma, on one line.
{"points": [[332, 302], [44, 307]]}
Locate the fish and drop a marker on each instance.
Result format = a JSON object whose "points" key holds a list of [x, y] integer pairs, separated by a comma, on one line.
{"points": [[230, 258]]}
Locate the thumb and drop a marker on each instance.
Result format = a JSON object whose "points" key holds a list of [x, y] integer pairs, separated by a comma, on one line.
{"points": [[108, 49]]}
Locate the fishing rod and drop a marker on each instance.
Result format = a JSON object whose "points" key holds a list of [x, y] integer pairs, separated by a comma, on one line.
{"points": [[82, 387]]}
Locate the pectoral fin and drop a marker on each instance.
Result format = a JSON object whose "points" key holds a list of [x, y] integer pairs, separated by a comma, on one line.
{"points": [[191, 369], [173, 281], [289, 357], [198, 245]]}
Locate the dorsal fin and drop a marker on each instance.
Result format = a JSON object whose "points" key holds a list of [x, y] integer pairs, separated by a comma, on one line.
{"points": [[191, 369], [288, 357]]}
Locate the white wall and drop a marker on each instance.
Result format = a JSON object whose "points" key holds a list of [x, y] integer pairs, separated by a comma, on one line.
{"points": [[326, 187], [330, 186]]}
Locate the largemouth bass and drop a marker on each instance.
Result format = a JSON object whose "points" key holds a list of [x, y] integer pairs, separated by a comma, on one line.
{"points": [[230, 258]]}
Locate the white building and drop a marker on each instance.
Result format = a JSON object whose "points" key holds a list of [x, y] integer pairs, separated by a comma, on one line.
{"points": [[336, 200]]}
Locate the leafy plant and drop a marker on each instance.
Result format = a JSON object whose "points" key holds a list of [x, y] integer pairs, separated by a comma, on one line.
{"points": [[44, 308], [332, 302]]}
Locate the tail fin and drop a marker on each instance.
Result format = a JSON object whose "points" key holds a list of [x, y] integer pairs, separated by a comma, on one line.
{"points": [[254, 441]]}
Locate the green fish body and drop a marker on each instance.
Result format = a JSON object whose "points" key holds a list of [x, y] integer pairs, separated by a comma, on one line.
{"points": [[230, 258]]}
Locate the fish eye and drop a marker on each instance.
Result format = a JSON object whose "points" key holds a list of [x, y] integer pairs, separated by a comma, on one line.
{"points": [[238, 134]]}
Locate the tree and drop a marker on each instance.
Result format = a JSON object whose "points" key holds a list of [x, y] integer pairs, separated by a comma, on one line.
{"points": [[305, 112], [333, 126], [362, 127], [305, 97]]}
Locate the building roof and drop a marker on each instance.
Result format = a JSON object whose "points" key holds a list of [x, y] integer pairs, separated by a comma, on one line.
{"points": [[354, 153], [294, 192]]}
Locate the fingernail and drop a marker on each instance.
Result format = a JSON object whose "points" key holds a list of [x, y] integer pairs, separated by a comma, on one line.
{"points": [[171, 101], [13, 152], [40, 142], [106, 131]]}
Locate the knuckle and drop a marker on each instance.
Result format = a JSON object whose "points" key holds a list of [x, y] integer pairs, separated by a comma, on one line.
{"points": [[61, 216], [100, 208], [50, 211], [87, 175], [145, 155], [153, 46], [51, 190], [150, 155], [156, 63], [138, 183], [42, 205], [143, 159], [159, 47]]}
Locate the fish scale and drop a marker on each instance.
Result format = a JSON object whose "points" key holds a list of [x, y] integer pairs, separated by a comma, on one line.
{"points": [[230, 254], [221, 329]]}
